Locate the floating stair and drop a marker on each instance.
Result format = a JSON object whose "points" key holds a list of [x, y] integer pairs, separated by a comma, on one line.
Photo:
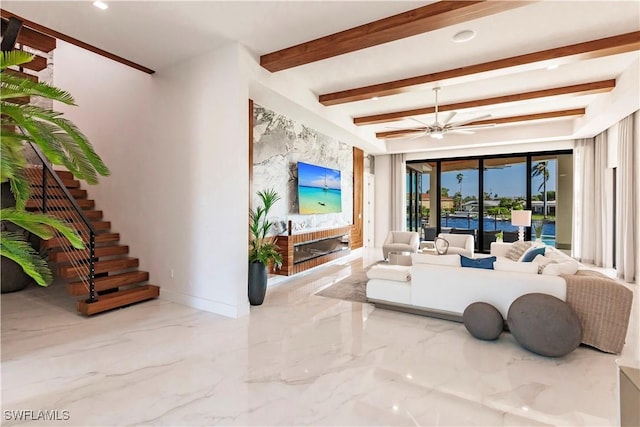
{"points": [[118, 282]]}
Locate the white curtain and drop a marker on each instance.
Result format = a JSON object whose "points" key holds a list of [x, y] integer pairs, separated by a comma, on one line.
{"points": [[627, 202], [583, 189], [398, 192], [603, 204]]}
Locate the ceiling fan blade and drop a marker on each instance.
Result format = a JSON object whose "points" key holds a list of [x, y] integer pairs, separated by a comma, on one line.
{"points": [[462, 131], [464, 122], [449, 117], [420, 135], [473, 127], [419, 121]]}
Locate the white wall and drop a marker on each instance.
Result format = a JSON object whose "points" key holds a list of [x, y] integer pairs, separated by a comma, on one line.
{"points": [[382, 199], [176, 143]]}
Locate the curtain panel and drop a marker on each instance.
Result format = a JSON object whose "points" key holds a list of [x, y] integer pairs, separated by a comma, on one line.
{"points": [[627, 201]]}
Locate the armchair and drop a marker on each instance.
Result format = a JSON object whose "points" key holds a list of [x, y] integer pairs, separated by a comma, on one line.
{"points": [[462, 244], [400, 241]]}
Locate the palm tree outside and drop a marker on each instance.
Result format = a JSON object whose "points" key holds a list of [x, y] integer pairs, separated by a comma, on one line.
{"points": [[541, 169], [459, 177]]}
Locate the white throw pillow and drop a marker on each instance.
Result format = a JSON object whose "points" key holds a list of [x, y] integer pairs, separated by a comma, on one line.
{"points": [[448, 260], [516, 267], [566, 267], [543, 261]]}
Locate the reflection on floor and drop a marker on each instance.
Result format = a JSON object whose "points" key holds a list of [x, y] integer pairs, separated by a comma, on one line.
{"points": [[299, 359]]}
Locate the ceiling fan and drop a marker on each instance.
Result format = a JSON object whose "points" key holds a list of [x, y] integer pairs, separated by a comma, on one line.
{"points": [[437, 129]]}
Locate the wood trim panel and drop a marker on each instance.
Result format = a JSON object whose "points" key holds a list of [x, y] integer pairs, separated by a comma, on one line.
{"points": [[53, 33], [498, 121], [358, 186], [423, 19], [287, 243], [561, 55], [32, 38], [579, 89]]}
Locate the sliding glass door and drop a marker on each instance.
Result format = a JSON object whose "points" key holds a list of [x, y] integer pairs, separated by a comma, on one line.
{"points": [[459, 209], [452, 196], [505, 188]]}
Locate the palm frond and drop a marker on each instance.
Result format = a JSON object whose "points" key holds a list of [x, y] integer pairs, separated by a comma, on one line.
{"points": [[14, 247], [13, 58], [15, 87], [42, 225]]}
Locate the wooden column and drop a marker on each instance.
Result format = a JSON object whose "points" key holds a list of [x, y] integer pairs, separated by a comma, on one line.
{"points": [[358, 186]]}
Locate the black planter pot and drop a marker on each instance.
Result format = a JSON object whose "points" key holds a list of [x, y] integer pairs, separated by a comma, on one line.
{"points": [[257, 282], [13, 277]]}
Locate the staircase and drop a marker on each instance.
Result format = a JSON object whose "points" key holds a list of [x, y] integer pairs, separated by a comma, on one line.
{"points": [[114, 276]]}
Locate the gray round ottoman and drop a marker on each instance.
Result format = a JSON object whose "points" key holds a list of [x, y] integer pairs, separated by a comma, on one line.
{"points": [[544, 325], [483, 321]]}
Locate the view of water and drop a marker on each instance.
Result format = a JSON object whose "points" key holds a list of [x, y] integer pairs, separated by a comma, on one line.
{"points": [[548, 229], [318, 200]]}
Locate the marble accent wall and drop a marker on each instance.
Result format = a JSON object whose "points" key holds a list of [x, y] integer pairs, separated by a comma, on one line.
{"points": [[279, 143]]}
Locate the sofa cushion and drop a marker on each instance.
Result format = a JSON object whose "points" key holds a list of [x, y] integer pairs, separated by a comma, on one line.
{"points": [[569, 267], [448, 260], [398, 273], [486, 263], [531, 253], [516, 267], [517, 250]]}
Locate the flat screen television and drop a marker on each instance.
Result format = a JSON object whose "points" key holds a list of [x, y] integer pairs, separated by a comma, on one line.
{"points": [[319, 189]]}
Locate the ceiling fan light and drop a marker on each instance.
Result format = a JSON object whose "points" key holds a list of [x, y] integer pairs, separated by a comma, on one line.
{"points": [[437, 134]]}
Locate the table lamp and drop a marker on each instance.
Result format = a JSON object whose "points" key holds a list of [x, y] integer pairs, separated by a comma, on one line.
{"points": [[521, 219]]}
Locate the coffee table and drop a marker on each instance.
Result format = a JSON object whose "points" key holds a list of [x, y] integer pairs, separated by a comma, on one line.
{"points": [[400, 258]]}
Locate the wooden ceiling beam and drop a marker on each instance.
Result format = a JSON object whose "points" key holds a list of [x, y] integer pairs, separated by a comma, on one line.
{"points": [[60, 36], [561, 55], [579, 89], [32, 38], [498, 121], [417, 21]]}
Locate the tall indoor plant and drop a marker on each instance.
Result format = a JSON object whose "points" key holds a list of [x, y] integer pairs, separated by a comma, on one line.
{"points": [[263, 250], [59, 140]]}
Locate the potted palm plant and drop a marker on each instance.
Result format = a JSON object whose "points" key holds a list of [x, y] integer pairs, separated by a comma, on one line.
{"points": [[60, 141], [263, 250]]}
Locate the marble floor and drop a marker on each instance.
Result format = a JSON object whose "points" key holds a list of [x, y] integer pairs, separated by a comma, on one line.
{"points": [[299, 359]]}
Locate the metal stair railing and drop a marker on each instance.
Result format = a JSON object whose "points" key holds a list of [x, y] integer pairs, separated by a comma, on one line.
{"points": [[56, 199]]}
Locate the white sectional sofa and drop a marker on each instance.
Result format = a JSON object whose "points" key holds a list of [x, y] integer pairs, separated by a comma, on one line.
{"points": [[442, 288]]}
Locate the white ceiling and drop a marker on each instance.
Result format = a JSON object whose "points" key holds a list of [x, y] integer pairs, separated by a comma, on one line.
{"points": [[157, 34]]}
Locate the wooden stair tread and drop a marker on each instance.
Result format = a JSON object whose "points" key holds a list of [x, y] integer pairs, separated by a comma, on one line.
{"points": [[36, 181], [59, 204], [100, 251], [109, 282], [76, 193], [118, 299], [100, 238], [89, 213], [106, 266]]}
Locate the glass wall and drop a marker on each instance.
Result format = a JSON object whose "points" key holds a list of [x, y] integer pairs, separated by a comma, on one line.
{"points": [[459, 210], [504, 188], [480, 204]]}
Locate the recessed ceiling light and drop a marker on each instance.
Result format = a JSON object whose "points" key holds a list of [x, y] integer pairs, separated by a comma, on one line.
{"points": [[375, 98], [101, 5], [552, 66], [464, 36]]}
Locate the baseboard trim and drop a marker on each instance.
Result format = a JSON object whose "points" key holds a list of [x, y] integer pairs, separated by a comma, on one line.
{"points": [[203, 304], [439, 314]]}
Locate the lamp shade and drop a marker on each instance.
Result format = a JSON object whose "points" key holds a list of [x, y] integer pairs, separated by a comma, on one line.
{"points": [[521, 218]]}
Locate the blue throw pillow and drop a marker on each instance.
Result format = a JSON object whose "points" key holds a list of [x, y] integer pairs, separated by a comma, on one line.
{"points": [[532, 253], [486, 263]]}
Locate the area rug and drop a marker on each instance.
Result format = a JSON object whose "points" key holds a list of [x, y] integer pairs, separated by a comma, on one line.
{"points": [[352, 288]]}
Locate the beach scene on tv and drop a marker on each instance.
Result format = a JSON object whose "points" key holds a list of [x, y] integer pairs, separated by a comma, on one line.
{"points": [[319, 189]]}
